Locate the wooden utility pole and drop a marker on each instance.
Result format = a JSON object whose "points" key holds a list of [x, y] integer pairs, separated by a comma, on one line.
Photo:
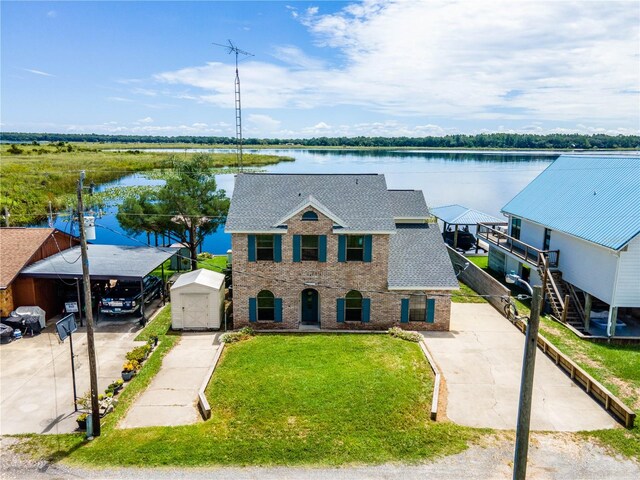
{"points": [[526, 387], [95, 406]]}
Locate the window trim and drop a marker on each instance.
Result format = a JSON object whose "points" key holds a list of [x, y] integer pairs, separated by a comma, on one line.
{"points": [[266, 295], [258, 248], [310, 249], [356, 296], [354, 249], [417, 313], [309, 216]]}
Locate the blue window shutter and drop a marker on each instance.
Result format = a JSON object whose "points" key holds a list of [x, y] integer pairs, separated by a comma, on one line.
{"points": [[277, 248], [296, 248], [366, 309], [322, 248], [431, 309], [404, 310], [366, 254], [278, 310], [340, 310], [342, 248], [251, 247], [253, 309]]}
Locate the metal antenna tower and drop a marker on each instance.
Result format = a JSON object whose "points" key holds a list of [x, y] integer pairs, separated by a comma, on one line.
{"points": [[231, 48]]}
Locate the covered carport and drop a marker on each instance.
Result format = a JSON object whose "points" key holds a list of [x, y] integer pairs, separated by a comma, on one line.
{"points": [[461, 218], [106, 263]]}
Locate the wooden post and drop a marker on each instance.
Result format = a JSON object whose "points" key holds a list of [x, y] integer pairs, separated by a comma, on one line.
{"points": [[526, 388], [565, 309], [93, 371], [613, 319], [455, 238], [587, 310], [6, 216], [545, 273]]}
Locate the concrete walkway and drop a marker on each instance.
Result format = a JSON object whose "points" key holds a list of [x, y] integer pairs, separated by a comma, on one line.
{"points": [[171, 398], [481, 360]]}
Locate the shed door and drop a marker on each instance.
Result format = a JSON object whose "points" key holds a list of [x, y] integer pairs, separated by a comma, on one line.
{"points": [[195, 310]]}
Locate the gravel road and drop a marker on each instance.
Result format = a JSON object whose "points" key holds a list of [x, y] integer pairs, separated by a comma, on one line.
{"points": [[551, 456]]}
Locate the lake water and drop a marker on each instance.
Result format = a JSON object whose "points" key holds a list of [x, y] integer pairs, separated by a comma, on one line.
{"points": [[485, 181]]}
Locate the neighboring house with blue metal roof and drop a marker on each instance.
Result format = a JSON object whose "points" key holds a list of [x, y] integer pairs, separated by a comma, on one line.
{"points": [[582, 214], [336, 252]]}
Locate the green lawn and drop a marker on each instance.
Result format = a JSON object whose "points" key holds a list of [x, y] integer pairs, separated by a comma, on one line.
{"points": [[217, 264], [296, 400], [482, 262], [466, 295]]}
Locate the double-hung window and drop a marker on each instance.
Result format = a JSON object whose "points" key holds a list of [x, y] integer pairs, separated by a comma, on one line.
{"points": [[417, 308], [355, 248], [309, 248], [264, 247]]}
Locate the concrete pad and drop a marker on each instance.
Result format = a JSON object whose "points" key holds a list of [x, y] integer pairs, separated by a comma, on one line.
{"points": [[159, 416], [481, 360], [36, 389], [171, 398]]}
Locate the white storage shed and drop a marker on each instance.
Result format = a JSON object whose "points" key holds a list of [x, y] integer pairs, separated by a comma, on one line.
{"points": [[197, 300]]}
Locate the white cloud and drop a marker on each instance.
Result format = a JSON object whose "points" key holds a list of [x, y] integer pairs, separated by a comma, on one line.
{"points": [[119, 99], [485, 60], [38, 72], [145, 120], [262, 123], [52, 14]]}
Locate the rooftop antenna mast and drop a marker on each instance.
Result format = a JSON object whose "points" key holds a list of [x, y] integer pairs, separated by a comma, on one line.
{"points": [[231, 48]]}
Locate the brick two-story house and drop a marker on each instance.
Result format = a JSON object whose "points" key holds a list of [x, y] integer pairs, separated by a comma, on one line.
{"points": [[336, 251]]}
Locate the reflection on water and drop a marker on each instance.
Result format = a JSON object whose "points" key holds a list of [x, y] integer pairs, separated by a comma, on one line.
{"points": [[482, 180]]}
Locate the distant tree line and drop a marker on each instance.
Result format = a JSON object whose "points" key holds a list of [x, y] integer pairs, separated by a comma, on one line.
{"points": [[483, 140]]}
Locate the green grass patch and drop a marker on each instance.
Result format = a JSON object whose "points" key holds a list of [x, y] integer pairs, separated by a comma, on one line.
{"points": [[466, 295], [217, 264], [43, 173], [298, 400], [480, 261]]}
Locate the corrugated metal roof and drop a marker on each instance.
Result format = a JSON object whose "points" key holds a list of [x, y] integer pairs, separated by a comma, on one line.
{"points": [[106, 262], [596, 198], [459, 215], [418, 258]]}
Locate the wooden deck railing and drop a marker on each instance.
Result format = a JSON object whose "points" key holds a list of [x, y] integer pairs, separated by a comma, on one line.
{"points": [[520, 249]]}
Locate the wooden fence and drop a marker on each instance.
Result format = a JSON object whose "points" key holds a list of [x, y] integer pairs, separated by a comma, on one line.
{"points": [[608, 400], [479, 280]]}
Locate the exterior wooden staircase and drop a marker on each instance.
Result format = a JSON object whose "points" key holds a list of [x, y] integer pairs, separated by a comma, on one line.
{"points": [[567, 302]]}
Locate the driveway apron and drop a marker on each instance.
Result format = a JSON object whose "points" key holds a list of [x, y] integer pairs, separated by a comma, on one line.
{"points": [[481, 360]]}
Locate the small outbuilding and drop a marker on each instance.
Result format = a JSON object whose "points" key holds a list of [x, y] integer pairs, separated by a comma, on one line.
{"points": [[197, 300]]}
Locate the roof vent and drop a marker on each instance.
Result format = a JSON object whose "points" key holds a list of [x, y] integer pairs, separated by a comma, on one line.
{"points": [[594, 192]]}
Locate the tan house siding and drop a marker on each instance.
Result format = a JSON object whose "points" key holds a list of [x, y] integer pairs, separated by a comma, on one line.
{"points": [[287, 280]]}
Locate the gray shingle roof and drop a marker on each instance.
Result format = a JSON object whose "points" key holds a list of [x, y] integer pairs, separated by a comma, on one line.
{"points": [[418, 258], [261, 200], [408, 204]]}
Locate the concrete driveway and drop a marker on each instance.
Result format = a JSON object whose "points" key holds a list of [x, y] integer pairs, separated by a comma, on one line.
{"points": [[481, 360], [36, 389]]}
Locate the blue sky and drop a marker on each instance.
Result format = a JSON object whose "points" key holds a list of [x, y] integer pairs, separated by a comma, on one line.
{"points": [[321, 68]]}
